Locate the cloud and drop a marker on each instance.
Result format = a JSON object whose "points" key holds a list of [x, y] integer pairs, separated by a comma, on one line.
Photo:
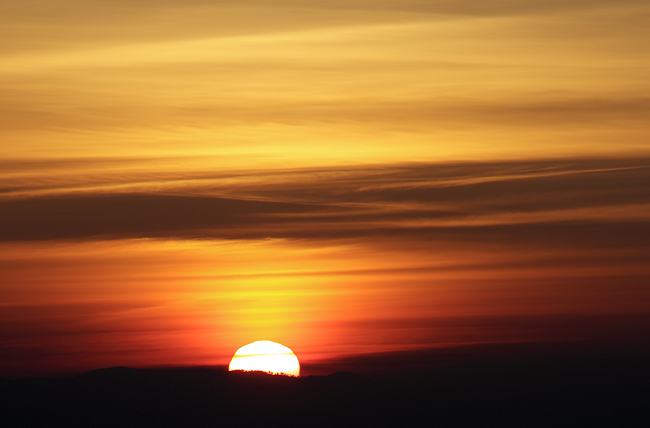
{"points": [[535, 200], [504, 328], [393, 80], [131, 215]]}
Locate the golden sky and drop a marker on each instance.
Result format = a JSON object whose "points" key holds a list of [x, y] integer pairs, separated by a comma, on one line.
{"points": [[178, 179]]}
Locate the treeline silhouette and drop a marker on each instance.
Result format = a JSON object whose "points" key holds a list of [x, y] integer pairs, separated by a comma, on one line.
{"points": [[516, 391]]}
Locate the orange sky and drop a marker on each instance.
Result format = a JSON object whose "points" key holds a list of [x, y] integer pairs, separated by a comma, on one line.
{"points": [[343, 177]]}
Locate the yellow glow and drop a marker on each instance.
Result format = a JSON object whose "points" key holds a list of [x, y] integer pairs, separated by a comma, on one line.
{"points": [[266, 356]]}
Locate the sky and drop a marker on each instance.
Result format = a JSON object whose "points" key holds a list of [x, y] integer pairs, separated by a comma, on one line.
{"points": [[179, 179]]}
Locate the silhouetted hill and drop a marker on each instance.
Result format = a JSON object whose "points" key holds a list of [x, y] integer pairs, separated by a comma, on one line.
{"points": [[523, 391]]}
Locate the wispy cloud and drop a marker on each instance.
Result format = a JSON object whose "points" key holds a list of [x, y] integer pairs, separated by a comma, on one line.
{"points": [[394, 199]]}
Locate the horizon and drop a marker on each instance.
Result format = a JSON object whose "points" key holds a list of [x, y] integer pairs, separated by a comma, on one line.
{"points": [[392, 364]]}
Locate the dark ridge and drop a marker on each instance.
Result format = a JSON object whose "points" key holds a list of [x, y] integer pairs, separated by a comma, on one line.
{"points": [[110, 372], [348, 379], [344, 376], [577, 390]]}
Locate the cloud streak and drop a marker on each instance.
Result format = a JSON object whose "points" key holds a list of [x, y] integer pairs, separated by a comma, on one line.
{"points": [[389, 200]]}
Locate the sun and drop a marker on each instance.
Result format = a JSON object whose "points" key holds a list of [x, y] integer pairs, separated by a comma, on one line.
{"points": [[266, 356]]}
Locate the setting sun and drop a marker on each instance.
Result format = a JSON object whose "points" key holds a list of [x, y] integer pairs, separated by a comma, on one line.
{"points": [[266, 356]]}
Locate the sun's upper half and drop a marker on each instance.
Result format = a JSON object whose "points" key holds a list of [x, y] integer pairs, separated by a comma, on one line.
{"points": [[266, 356]]}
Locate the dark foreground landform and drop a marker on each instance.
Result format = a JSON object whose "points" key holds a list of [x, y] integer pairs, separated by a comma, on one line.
{"points": [[481, 388]]}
